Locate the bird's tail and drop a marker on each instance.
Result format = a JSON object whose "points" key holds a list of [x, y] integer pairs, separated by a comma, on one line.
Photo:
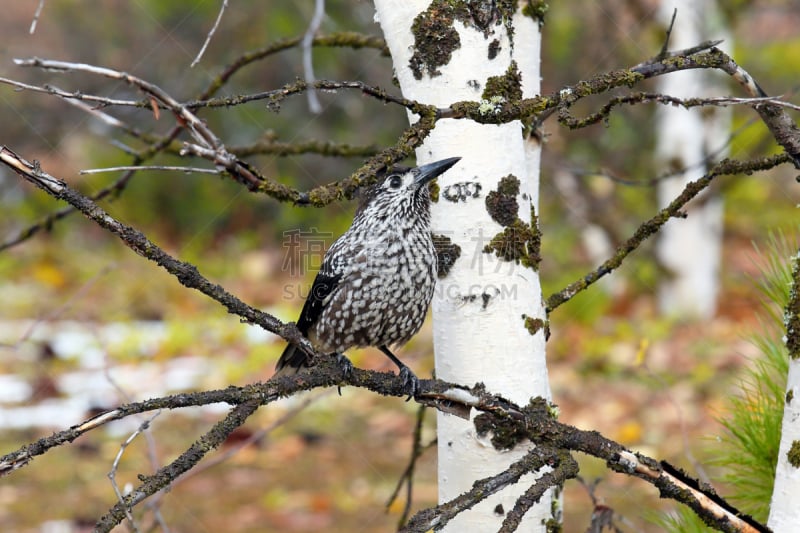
{"points": [[291, 361]]}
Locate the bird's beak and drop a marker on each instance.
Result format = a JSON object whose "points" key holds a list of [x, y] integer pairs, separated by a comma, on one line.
{"points": [[426, 173]]}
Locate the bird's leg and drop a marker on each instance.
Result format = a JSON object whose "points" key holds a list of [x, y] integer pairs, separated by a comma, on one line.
{"points": [[346, 366], [409, 379]]}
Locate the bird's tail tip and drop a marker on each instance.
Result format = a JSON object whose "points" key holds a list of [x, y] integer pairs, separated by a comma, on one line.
{"points": [[291, 361]]}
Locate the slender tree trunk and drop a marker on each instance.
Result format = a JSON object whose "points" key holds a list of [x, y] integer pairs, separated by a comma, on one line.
{"points": [[689, 142], [481, 304]]}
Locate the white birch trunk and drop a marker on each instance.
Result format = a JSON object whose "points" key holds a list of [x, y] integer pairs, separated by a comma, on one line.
{"points": [[479, 332], [690, 249], [784, 511]]}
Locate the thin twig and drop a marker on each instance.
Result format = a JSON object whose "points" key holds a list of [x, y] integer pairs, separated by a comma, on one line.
{"points": [[75, 95], [185, 170], [112, 474], [340, 39], [36, 17], [210, 34], [275, 96], [202, 134], [665, 47], [407, 477], [152, 504], [308, 64]]}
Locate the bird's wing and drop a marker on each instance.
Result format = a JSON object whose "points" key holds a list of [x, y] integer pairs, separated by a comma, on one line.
{"points": [[325, 283]]}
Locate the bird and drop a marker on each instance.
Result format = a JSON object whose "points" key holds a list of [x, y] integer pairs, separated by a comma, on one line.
{"points": [[377, 280]]}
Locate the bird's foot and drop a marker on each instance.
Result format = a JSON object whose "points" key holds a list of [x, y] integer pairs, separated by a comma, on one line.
{"points": [[410, 381], [346, 366]]}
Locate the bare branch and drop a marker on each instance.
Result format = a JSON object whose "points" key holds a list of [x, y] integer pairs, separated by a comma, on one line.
{"points": [[198, 129], [75, 95], [186, 273], [664, 49], [211, 33], [533, 422]]}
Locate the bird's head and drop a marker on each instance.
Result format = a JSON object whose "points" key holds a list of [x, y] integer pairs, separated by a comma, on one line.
{"points": [[402, 192]]}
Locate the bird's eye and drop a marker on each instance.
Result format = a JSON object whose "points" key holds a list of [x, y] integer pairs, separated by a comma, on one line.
{"points": [[395, 182]]}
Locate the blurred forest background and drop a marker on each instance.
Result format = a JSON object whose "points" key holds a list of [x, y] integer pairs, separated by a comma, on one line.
{"points": [[84, 323]]}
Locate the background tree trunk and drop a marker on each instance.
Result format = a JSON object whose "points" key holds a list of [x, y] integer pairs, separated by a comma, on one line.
{"points": [[480, 306], [688, 143]]}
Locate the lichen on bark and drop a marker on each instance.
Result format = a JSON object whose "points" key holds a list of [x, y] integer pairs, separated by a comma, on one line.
{"points": [[446, 254], [508, 85], [435, 39], [519, 241]]}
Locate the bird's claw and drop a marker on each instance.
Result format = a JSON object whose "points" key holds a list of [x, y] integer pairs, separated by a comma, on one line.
{"points": [[410, 381], [346, 366]]}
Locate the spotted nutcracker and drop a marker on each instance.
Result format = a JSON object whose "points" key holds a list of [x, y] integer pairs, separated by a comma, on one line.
{"points": [[376, 281]]}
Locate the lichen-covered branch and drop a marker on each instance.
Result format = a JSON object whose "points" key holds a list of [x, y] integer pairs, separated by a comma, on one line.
{"points": [[340, 39], [186, 273], [311, 146], [276, 96], [651, 227], [573, 123], [564, 468]]}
